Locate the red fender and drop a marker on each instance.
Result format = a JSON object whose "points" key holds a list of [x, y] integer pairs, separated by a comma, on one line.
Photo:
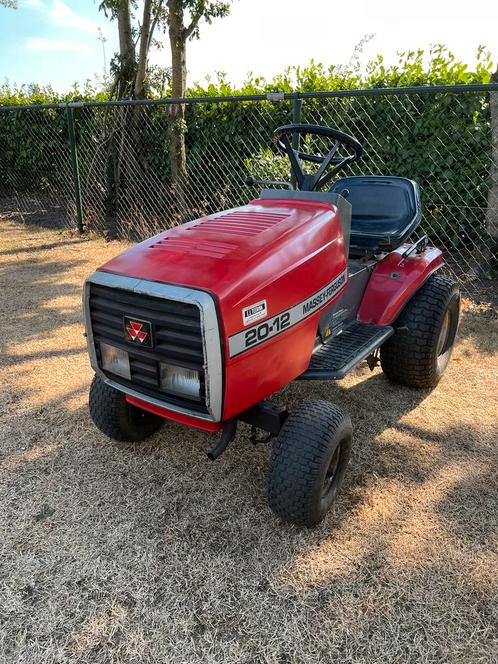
{"points": [[394, 280]]}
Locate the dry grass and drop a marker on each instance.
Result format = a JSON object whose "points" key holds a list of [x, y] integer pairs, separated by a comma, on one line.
{"points": [[148, 553]]}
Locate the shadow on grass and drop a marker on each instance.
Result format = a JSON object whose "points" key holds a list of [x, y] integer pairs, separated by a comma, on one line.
{"points": [[49, 212], [155, 527], [42, 247], [44, 355], [481, 328], [157, 532], [27, 305]]}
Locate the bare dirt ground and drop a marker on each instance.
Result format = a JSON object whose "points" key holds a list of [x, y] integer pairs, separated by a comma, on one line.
{"points": [[149, 553]]}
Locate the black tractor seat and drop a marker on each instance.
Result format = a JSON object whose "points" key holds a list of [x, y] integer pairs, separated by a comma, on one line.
{"points": [[385, 211]]}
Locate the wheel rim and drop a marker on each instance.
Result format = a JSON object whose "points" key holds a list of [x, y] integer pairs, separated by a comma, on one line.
{"points": [[443, 333], [331, 471]]}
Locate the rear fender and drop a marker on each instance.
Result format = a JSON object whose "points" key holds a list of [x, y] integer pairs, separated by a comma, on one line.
{"points": [[393, 282]]}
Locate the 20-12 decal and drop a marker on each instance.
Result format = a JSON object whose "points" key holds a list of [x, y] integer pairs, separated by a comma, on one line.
{"points": [[260, 332]]}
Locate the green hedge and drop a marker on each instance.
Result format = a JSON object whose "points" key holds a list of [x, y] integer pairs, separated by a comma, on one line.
{"points": [[440, 140]]}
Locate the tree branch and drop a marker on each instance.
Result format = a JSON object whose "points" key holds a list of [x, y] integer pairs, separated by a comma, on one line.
{"points": [[155, 20], [197, 14]]}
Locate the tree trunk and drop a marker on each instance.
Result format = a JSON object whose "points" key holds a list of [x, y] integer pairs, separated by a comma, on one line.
{"points": [[127, 72], [492, 209], [139, 92], [178, 159], [116, 171]]}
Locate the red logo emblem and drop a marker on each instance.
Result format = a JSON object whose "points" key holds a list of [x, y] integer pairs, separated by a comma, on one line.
{"points": [[135, 331], [138, 331]]}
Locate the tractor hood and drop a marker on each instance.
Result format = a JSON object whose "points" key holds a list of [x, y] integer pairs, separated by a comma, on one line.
{"points": [[261, 262], [271, 266], [234, 253]]}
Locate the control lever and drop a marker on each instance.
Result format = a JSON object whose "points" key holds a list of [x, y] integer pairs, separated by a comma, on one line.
{"points": [[250, 181]]}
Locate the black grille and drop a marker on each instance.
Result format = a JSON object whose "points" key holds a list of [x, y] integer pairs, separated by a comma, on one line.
{"points": [[176, 330]]}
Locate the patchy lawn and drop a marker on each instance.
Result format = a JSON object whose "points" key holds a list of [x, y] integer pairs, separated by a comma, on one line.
{"points": [[150, 553]]}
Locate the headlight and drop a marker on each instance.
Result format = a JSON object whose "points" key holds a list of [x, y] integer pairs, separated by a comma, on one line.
{"points": [[115, 360], [181, 381]]}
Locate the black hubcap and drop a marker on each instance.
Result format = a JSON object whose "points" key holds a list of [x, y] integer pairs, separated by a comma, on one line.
{"points": [[331, 471], [444, 334]]}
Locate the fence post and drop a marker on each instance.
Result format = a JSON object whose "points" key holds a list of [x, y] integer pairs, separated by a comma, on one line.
{"points": [[75, 167], [296, 119]]}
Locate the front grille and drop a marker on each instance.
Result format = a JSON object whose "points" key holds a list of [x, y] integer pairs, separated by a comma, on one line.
{"points": [[177, 335]]}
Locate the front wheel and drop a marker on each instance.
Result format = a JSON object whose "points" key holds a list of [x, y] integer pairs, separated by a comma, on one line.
{"points": [[308, 462], [118, 419], [418, 353]]}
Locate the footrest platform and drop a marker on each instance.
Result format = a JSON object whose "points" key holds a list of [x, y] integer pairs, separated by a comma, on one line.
{"points": [[335, 358]]}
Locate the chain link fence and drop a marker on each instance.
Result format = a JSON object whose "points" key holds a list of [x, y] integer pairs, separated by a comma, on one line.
{"points": [[106, 166]]}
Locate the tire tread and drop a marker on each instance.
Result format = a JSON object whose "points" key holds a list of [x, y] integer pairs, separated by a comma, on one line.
{"points": [[110, 413], [408, 356], [297, 458]]}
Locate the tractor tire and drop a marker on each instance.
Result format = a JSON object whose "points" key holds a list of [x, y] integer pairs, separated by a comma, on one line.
{"points": [[418, 352], [118, 419], [308, 462]]}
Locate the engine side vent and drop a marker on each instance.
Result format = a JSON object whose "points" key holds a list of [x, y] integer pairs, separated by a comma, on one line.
{"points": [[209, 248], [241, 222]]}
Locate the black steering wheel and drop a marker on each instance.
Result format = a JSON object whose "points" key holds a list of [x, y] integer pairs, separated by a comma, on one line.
{"points": [[282, 139]]}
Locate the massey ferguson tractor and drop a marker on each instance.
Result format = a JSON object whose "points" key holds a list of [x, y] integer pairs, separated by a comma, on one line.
{"points": [[201, 324]]}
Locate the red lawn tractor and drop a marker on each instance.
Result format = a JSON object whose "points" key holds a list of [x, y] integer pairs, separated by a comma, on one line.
{"points": [[204, 322]]}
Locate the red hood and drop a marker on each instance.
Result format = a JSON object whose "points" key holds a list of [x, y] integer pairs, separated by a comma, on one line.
{"points": [[272, 252], [221, 252]]}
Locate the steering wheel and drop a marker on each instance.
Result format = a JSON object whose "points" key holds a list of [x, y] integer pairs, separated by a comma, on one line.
{"points": [[282, 139]]}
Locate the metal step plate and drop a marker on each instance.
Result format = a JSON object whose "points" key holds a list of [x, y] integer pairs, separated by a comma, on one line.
{"points": [[338, 356]]}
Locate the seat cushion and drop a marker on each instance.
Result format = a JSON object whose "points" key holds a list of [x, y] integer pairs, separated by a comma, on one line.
{"points": [[385, 210]]}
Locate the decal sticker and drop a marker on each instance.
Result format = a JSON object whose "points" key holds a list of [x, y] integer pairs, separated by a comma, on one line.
{"points": [[254, 312], [257, 334]]}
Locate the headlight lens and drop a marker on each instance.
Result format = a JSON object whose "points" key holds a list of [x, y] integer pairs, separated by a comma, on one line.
{"points": [[115, 360], [181, 381]]}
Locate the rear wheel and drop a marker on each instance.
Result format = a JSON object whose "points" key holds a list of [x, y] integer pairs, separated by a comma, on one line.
{"points": [[419, 351], [118, 419], [308, 462]]}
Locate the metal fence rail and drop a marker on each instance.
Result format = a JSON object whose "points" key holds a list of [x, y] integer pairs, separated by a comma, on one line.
{"points": [[105, 166]]}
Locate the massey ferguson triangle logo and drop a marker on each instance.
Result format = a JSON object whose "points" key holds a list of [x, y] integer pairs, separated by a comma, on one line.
{"points": [[138, 331], [135, 331]]}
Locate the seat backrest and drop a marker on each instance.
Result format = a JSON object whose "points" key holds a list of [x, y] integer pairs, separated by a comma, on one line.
{"points": [[385, 210]]}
